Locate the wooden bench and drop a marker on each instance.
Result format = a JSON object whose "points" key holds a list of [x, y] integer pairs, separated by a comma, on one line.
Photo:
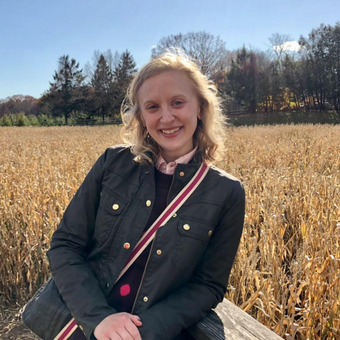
{"points": [[228, 322]]}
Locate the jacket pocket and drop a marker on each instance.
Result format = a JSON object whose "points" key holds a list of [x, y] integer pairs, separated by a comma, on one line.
{"points": [[192, 237], [110, 209]]}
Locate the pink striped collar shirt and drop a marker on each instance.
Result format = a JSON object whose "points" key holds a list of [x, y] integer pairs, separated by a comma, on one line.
{"points": [[169, 168]]}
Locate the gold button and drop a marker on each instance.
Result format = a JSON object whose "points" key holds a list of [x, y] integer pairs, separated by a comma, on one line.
{"points": [[115, 206], [126, 245], [174, 215], [209, 232], [186, 226], [145, 299], [181, 173], [148, 203], [159, 252]]}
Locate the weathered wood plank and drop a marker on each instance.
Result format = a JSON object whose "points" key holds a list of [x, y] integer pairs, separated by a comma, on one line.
{"points": [[228, 322]]}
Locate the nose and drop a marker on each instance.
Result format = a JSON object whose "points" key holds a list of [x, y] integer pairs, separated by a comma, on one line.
{"points": [[166, 115]]}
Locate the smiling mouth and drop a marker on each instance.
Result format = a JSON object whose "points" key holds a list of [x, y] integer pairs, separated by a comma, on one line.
{"points": [[169, 132]]}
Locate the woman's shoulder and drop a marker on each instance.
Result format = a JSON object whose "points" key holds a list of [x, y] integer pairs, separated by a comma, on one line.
{"points": [[119, 155], [117, 149], [229, 184], [222, 175]]}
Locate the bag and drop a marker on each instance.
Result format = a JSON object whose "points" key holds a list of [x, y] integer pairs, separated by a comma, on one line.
{"points": [[46, 313]]}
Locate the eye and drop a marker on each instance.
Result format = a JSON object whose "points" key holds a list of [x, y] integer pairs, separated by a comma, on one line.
{"points": [[152, 107], [178, 103]]}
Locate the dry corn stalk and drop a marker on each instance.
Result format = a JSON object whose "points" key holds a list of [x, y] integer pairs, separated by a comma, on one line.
{"points": [[287, 271]]}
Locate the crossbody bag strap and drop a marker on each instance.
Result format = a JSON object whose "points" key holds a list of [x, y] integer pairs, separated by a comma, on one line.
{"points": [[165, 216], [149, 235]]}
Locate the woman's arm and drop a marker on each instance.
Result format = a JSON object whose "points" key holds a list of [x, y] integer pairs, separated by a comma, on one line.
{"points": [[207, 287], [74, 278]]}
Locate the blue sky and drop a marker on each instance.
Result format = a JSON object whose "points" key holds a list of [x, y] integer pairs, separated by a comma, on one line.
{"points": [[35, 33]]}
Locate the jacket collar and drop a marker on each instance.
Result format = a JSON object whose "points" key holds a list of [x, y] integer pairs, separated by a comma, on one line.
{"points": [[189, 168]]}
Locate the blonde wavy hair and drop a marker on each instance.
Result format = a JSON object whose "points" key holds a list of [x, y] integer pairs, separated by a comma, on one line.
{"points": [[210, 132]]}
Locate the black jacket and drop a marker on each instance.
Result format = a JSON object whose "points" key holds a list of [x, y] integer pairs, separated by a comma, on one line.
{"points": [[111, 208]]}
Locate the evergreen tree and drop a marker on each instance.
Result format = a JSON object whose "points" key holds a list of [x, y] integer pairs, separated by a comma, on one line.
{"points": [[125, 70], [63, 91], [276, 88], [291, 71], [242, 79], [123, 75], [102, 82], [333, 66], [321, 59], [263, 84]]}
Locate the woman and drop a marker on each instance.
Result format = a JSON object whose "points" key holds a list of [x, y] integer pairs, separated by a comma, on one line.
{"points": [[173, 123]]}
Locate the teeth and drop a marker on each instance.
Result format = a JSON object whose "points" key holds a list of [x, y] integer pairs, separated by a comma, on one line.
{"points": [[170, 131]]}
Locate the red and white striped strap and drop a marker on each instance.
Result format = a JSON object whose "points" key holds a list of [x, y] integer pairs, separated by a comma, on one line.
{"points": [[165, 216], [67, 331], [149, 235]]}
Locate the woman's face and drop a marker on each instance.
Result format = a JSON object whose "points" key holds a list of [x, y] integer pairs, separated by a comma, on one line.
{"points": [[169, 109]]}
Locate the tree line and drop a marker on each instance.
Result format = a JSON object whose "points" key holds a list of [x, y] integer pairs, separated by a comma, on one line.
{"points": [[248, 80], [308, 79]]}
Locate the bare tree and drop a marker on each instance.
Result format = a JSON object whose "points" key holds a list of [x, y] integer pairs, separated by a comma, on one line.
{"points": [[208, 51], [112, 61], [88, 71], [278, 46]]}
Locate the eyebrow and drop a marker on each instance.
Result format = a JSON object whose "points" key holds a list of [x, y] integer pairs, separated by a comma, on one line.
{"points": [[148, 102], [172, 98]]}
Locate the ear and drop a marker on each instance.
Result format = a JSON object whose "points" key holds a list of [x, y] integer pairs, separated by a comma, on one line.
{"points": [[199, 114]]}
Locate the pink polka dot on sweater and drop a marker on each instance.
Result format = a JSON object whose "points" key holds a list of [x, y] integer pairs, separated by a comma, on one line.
{"points": [[125, 290]]}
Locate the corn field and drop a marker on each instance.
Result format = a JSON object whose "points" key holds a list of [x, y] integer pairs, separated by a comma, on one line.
{"points": [[287, 272]]}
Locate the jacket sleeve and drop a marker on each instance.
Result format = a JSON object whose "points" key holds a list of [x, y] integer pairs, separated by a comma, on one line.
{"points": [[74, 278], [207, 287]]}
